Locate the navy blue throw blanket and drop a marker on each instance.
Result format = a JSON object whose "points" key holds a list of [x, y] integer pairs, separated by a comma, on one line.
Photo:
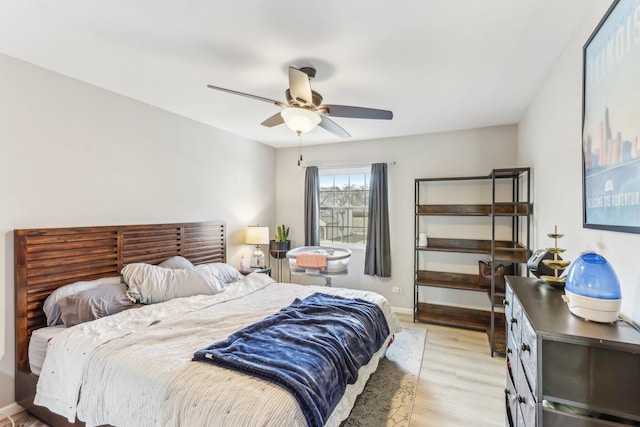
{"points": [[313, 348]]}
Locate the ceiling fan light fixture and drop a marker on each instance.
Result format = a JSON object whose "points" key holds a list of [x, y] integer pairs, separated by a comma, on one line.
{"points": [[304, 109], [300, 120]]}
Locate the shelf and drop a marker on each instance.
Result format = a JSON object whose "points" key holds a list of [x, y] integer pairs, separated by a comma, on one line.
{"points": [[506, 251], [510, 173], [479, 320], [460, 281], [499, 335], [454, 210], [454, 178], [467, 282], [513, 209], [522, 255], [453, 316], [501, 209], [499, 340], [498, 299], [516, 210]]}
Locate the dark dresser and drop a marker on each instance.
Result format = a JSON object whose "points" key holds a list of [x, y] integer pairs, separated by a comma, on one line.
{"points": [[563, 371]]}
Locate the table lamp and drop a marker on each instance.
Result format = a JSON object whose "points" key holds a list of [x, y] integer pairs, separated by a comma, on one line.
{"points": [[256, 235]]}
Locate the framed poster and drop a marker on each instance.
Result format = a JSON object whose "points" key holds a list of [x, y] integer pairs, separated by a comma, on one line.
{"points": [[611, 121]]}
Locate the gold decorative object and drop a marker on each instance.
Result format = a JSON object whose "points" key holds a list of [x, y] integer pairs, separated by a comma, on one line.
{"points": [[555, 264]]}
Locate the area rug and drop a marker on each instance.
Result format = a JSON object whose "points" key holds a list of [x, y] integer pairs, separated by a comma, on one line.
{"points": [[387, 399], [23, 420]]}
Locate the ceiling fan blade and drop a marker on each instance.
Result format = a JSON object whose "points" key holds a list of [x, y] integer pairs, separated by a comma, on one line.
{"points": [[274, 120], [259, 98], [355, 112], [331, 126], [299, 87]]}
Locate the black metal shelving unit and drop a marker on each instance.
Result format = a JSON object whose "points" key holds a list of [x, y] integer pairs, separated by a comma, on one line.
{"points": [[515, 251]]}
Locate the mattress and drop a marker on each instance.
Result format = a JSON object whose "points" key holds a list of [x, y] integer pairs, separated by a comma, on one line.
{"points": [[38, 346], [134, 368]]}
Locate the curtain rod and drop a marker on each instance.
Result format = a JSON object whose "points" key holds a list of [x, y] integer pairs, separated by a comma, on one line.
{"points": [[345, 165]]}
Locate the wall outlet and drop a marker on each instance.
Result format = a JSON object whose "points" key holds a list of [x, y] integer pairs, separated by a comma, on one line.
{"points": [[395, 290]]}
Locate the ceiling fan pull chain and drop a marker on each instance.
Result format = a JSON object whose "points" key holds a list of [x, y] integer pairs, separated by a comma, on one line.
{"points": [[299, 152]]}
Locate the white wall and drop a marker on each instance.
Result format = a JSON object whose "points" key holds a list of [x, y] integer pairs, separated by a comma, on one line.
{"points": [[75, 155], [466, 153], [549, 138]]}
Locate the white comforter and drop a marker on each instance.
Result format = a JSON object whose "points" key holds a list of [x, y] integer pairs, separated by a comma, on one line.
{"points": [[135, 368]]}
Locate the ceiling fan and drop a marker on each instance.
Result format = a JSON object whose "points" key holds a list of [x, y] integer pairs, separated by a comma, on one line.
{"points": [[304, 109]]}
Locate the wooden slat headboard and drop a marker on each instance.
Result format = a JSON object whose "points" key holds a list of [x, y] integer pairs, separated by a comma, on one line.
{"points": [[48, 258]]}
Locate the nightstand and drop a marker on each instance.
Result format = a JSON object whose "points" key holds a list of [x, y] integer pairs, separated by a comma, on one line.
{"points": [[250, 270]]}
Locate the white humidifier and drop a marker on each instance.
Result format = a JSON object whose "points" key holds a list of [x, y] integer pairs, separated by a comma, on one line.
{"points": [[592, 289]]}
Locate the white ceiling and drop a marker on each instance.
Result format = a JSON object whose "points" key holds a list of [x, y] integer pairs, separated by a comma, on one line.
{"points": [[439, 65]]}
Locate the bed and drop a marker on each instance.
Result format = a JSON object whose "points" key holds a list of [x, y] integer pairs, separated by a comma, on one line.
{"points": [[151, 377]]}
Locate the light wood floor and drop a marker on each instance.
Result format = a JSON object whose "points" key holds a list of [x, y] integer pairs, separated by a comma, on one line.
{"points": [[460, 383]]}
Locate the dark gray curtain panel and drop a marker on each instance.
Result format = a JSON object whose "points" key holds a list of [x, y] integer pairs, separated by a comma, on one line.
{"points": [[311, 207], [378, 252]]}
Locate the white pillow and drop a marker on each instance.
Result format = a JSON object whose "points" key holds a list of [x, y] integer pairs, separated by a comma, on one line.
{"points": [[50, 306], [225, 272], [176, 262], [149, 284]]}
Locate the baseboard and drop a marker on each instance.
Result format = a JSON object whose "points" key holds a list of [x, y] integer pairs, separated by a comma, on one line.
{"points": [[10, 410], [402, 310]]}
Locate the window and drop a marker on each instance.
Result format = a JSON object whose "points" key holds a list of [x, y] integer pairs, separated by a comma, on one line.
{"points": [[344, 206]]}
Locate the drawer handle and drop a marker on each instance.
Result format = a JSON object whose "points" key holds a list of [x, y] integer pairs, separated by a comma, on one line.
{"points": [[514, 320], [525, 347], [521, 399]]}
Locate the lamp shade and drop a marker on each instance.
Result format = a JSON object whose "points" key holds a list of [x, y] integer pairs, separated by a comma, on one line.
{"points": [[300, 120], [256, 235]]}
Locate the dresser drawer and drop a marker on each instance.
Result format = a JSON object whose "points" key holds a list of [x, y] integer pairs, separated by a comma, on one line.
{"points": [[526, 402], [513, 323], [520, 422], [512, 359], [511, 398], [508, 302], [529, 352]]}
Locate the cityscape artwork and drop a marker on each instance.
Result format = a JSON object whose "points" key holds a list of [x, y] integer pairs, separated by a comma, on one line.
{"points": [[611, 121]]}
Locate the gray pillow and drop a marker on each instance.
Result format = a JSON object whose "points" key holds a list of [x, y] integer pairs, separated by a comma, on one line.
{"points": [[176, 262], [94, 303], [51, 308]]}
